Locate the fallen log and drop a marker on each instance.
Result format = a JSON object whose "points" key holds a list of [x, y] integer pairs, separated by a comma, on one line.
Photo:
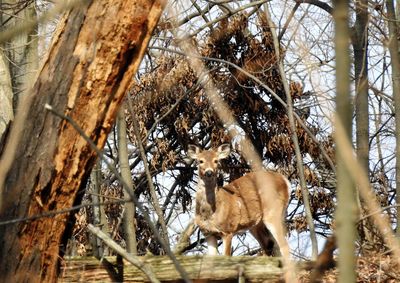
{"points": [[199, 268]]}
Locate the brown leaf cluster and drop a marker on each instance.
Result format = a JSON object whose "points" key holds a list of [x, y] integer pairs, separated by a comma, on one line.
{"points": [[260, 115]]}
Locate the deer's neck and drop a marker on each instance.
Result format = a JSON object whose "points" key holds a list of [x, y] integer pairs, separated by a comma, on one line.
{"points": [[208, 189]]}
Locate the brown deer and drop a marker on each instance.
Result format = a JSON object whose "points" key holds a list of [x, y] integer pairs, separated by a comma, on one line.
{"points": [[254, 202]]}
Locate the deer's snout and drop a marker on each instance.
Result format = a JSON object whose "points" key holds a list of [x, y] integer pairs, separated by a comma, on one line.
{"points": [[209, 173]]}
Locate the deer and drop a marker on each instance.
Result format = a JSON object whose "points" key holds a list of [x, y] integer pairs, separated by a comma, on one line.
{"points": [[255, 202]]}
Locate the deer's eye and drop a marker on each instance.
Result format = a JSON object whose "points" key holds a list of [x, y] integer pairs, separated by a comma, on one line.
{"points": [[215, 161], [201, 161]]}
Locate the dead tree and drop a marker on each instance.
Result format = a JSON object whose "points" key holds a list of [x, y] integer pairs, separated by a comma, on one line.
{"points": [[93, 57]]}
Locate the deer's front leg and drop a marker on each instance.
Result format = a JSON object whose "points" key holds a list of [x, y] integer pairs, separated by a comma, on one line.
{"points": [[212, 245], [227, 240]]}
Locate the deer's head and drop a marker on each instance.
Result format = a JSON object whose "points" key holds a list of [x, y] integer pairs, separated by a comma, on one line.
{"points": [[208, 160]]}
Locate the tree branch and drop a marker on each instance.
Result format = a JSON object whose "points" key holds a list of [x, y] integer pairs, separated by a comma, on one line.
{"points": [[324, 6], [119, 250]]}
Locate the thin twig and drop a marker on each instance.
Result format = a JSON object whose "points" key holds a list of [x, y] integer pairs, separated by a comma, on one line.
{"points": [[244, 7], [193, 15], [285, 26], [158, 120], [201, 13], [380, 210], [324, 6], [52, 213]]}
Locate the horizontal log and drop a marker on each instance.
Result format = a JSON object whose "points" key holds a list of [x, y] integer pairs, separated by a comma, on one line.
{"points": [[199, 268]]}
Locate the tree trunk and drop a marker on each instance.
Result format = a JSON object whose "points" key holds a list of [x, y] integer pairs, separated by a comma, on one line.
{"points": [[92, 60], [346, 213], [359, 41], [360, 46], [395, 63], [18, 59], [22, 50], [99, 217], [129, 213]]}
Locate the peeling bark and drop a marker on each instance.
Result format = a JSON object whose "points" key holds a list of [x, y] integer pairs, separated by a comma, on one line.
{"points": [[93, 58]]}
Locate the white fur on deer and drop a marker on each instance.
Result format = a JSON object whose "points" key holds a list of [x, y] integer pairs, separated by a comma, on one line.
{"points": [[254, 202]]}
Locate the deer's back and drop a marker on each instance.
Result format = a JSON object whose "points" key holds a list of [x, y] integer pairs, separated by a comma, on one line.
{"points": [[239, 205]]}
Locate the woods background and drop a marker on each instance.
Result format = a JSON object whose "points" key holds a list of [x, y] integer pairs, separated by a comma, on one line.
{"points": [[119, 73]]}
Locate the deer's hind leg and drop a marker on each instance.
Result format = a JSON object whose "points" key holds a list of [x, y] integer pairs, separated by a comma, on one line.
{"points": [[265, 239], [278, 231]]}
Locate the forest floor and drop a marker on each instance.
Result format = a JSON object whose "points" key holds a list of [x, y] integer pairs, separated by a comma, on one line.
{"points": [[375, 268]]}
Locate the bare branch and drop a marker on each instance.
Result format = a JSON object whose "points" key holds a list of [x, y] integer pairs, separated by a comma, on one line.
{"points": [[324, 6], [119, 250]]}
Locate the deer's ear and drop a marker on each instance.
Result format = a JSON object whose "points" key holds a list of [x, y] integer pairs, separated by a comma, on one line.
{"points": [[193, 151], [224, 150]]}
